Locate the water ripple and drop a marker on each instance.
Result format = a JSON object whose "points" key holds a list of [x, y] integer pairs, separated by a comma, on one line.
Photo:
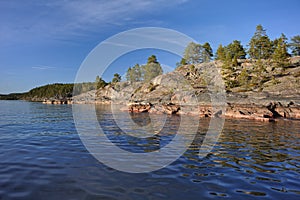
{"points": [[42, 157]]}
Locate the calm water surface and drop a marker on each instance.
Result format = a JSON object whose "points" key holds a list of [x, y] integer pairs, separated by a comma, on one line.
{"points": [[42, 157]]}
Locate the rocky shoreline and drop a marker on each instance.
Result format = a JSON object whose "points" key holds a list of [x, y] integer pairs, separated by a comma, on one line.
{"points": [[57, 101], [271, 112], [258, 106], [195, 90], [252, 105]]}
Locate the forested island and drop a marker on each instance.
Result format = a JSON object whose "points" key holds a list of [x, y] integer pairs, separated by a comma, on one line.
{"points": [[51, 91]]}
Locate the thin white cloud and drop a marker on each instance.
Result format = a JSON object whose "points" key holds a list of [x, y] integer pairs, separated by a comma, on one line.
{"points": [[72, 17], [83, 14], [43, 67], [118, 44]]}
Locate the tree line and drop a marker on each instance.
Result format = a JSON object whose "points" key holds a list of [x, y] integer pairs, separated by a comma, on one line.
{"points": [[261, 50], [136, 73], [144, 72], [260, 47], [57, 90]]}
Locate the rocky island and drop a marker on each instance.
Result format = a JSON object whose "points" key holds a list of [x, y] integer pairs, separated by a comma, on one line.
{"points": [[260, 83], [169, 93]]}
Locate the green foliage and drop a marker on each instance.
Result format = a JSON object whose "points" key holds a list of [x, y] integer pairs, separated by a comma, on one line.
{"points": [[181, 63], [12, 96], [295, 45], [235, 61], [192, 67], [260, 44], [196, 53], [220, 55], [80, 88], [100, 83], [244, 78], [209, 52], [116, 78], [259, 74], [232, 51], [275, 42], [152, 59], [145, 72], [128, 74], [229, 72], [134, 74], [57, 90], [192, 53], [236, 49], [229, 55], [280, 55], [151, 70]]}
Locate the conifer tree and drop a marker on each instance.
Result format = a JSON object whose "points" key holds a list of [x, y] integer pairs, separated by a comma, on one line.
{"points": [[259, 74], [280, 54], [260, 44], [295, 45], [220, 54], [100, 83], [208, 54], [116, 78], [196, 53], [151, 69], [237, 50], [192, 53], [134, 74], [243, 78]]}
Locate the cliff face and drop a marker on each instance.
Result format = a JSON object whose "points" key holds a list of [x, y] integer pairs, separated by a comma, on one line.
{"points": [[198, 90]]}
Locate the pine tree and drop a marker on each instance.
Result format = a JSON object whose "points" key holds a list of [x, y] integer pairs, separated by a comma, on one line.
{"points": [[137, 73], [236, 49], [196, 53], [100, 83], [259, 74], [230, 55], [229, 71], [220, 55], [192, 53], [117, 78], [260, 44], [208, 53], [151, 69], [235, 61], [152, 59], [280, 54], [134, 74], [295, 45], [243, 78], [128, 74]]}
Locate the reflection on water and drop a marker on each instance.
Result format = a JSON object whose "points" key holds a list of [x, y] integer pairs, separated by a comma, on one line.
{"points": [[126, 130], [42, 157]]}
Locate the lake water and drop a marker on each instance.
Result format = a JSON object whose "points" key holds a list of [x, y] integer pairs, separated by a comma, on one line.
{"points": [[42, 157]]}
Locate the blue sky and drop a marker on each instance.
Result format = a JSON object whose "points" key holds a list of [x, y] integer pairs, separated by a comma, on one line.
{"points": [[44, 42]]}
